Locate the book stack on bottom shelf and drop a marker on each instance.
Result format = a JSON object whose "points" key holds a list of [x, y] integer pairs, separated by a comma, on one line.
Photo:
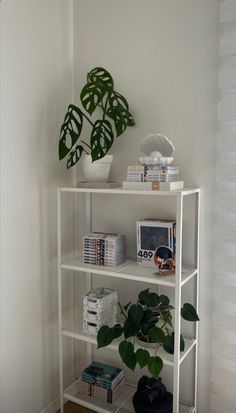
{"points": [[102, 382]]}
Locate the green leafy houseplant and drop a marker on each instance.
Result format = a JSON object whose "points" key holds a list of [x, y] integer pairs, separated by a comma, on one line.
{"points": [[98, 93], [147, 321]]}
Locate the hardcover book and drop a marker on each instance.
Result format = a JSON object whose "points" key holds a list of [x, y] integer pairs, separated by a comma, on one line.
{"points": [[103, 375]]}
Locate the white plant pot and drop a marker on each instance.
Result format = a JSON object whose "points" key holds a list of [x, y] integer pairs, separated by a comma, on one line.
{"points": [[97, 171]]}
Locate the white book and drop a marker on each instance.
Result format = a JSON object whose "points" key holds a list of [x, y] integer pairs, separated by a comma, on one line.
{"points": [[153, 185]]}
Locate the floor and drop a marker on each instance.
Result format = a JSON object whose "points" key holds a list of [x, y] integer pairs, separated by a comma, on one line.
{"points": [[75, 408]]}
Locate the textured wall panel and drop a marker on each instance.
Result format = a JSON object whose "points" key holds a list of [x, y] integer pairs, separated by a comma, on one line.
{"points": [[223, 375]]}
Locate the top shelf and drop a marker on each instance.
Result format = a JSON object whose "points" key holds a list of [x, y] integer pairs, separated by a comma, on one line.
{"points": [[121, 191]]}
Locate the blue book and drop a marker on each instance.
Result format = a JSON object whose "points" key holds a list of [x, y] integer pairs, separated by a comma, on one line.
{"points": [[102, 375]]}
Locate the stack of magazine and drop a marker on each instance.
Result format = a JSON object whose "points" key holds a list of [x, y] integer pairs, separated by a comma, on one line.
{"points": [[104, 249], [102, 381], [99, 308], [155, 177]]}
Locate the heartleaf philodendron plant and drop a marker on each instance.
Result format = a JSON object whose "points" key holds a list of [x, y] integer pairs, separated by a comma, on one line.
{"points": [[98, 93], [149, 321]]}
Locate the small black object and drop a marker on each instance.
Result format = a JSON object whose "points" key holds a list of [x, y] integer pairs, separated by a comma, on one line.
{"points": [[151, 396], [150, 389]]}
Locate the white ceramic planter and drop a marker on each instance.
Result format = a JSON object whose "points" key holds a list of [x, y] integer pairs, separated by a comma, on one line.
{"points": [[97, 171]]}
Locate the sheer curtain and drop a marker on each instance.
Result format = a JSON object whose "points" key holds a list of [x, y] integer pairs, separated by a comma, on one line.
{"points": [[223, 399]]}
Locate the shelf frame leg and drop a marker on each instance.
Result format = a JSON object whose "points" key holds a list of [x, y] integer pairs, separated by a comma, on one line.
{"points": [[177, 324], [61, 387], [198, 217], [88, 227]]}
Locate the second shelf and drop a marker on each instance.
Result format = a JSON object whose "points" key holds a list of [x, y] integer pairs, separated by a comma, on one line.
{"points": [[130, 270]]}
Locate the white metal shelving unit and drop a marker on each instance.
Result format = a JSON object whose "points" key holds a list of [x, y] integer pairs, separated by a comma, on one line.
{"points": [[131, 271]]}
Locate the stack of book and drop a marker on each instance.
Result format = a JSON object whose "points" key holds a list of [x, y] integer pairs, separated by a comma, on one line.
{"points": [[99, 308], [114, 249], [163, 173], [155, 177], [102, 381], [104, 249]]}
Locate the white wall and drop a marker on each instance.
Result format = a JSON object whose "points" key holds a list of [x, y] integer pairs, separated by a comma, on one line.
{"points": [[36, 62], [163, 57]]}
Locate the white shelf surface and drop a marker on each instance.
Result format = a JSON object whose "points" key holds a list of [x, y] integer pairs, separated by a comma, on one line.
{"points": [[123, 404], [168, 359], [130, 271], [121, 191]]}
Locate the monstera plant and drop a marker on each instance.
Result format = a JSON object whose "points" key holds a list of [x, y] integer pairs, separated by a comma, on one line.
{"points": [[113, 119], [147, 323]]}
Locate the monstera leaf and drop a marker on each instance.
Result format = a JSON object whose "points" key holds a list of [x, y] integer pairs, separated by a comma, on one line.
{"points": [[118, 111], [115, 99], [91, 95], [131, 121], [120, 117], [98, 74], [70, 130], [101, 139], [74, 156]]}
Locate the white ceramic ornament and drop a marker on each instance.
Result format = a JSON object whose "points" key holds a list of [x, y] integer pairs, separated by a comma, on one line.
{"points": [[158, 148], [157, 143]]}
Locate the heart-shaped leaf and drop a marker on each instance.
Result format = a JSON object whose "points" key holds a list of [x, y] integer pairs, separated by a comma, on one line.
{"points": [[167, 317], [170, 341], [156, 335], [189, 313], [147, 316], [70, 130], [117, 330], [91, 95], [130, 328], [164, 300], [74, 156], [105, 336], [142, 357], [127, 354], [145, 327], [125, 349], [143, 294], [136, 313], [149, 299], [98, 74], [155, 365], [131, 361], [101, 139]]}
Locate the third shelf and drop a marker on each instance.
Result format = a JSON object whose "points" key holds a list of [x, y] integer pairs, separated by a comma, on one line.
{"points": [[168, 359]]}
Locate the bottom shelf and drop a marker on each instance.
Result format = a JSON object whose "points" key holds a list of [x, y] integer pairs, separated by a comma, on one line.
{"points": [[123, 403]]}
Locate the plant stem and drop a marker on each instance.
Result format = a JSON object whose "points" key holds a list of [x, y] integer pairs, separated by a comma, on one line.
{"points": [[121, 309], [91, 123], [157, 347], [105, 106], [86, 145]]}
